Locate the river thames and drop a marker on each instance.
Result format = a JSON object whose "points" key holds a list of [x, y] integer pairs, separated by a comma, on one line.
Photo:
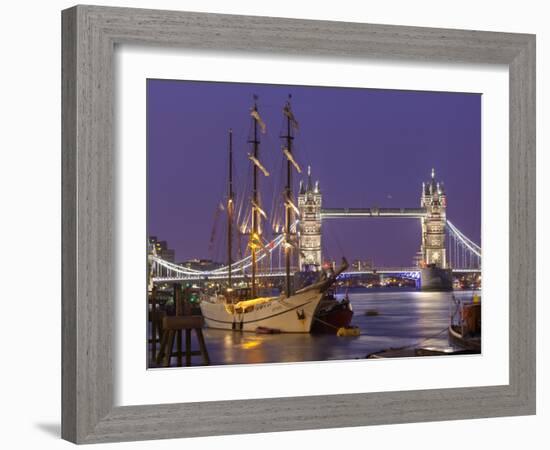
{"points": [[402, 318]]}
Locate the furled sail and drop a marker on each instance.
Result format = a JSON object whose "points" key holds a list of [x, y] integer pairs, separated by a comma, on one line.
{"points": [[288, 112], [292, 160], [258, 164], [256, 115]]}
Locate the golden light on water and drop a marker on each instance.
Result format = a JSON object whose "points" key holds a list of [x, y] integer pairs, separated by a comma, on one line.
{"points": [[250, 344]]}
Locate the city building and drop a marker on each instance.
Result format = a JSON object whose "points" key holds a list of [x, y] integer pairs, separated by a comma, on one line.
{"points": [[359, 265], [309, 205], [434, 223], [161, 249]]}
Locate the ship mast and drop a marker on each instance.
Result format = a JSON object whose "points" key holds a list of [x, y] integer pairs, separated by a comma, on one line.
{"points": [[289, 205], [254, 241], [230, 213]]}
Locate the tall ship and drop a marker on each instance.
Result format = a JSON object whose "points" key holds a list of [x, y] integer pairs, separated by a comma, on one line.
{"points": [[245, 309]]}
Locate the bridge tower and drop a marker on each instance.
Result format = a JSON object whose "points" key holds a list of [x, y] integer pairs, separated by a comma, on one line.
{"points": [[309, 229], [433, 224]]}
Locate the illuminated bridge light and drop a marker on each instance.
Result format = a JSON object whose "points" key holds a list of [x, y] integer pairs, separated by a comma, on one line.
{"points": [[166, 271]]}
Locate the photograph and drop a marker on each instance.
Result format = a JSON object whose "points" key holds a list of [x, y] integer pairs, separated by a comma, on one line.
{"points": [[291, 224]]}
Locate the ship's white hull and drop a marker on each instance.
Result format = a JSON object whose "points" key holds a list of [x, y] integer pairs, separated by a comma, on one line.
{"points": [[288, 315]]}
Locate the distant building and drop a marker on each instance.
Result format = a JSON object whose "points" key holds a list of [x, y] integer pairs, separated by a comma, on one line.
{"points": [[359, 265], [418, 259], [309, 204], [161, 249], [434, 223]]}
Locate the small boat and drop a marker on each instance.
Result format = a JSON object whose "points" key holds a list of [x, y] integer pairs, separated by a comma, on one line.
{"points": [[332, 315], [348, 332], [465, 327], [464, 335]]}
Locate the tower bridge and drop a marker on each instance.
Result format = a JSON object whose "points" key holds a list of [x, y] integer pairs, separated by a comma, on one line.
{"points": [[444, 249], [432, 215]]}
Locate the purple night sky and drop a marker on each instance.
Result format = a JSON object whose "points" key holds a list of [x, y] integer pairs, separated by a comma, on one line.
{"points": [[367, 148]]}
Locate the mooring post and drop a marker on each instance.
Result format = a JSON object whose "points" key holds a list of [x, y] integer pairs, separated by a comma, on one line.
{"points": [[153, 316]]}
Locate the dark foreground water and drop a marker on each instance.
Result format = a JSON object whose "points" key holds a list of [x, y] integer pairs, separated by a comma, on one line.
{"points": [[405, 318]]}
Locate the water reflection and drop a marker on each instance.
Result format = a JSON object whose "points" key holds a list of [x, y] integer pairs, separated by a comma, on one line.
{"points": [[404, 318]]}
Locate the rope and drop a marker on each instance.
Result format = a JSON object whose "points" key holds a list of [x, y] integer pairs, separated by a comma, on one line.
{"points": [[326, 323], [333, 236], [415, 344]]}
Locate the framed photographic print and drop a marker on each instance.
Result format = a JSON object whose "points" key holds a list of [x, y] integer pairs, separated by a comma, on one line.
{"points": [[269, 263], [256, 217]]}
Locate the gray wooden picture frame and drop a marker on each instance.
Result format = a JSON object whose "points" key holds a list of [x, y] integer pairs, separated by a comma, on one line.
{"points": [[90, 34]]}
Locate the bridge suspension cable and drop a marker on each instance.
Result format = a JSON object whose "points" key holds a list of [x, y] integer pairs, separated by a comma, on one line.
{"points": [[171, 268], [462, 252], [472, 246]]}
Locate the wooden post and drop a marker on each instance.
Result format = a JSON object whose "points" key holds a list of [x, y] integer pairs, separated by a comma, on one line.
{"points": [[202, 346], [162, 349], [170, 349], [179, 349], [187, 347], [153, 314], [186, 304], [186, 311], [462, 318], [177, 299]]}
